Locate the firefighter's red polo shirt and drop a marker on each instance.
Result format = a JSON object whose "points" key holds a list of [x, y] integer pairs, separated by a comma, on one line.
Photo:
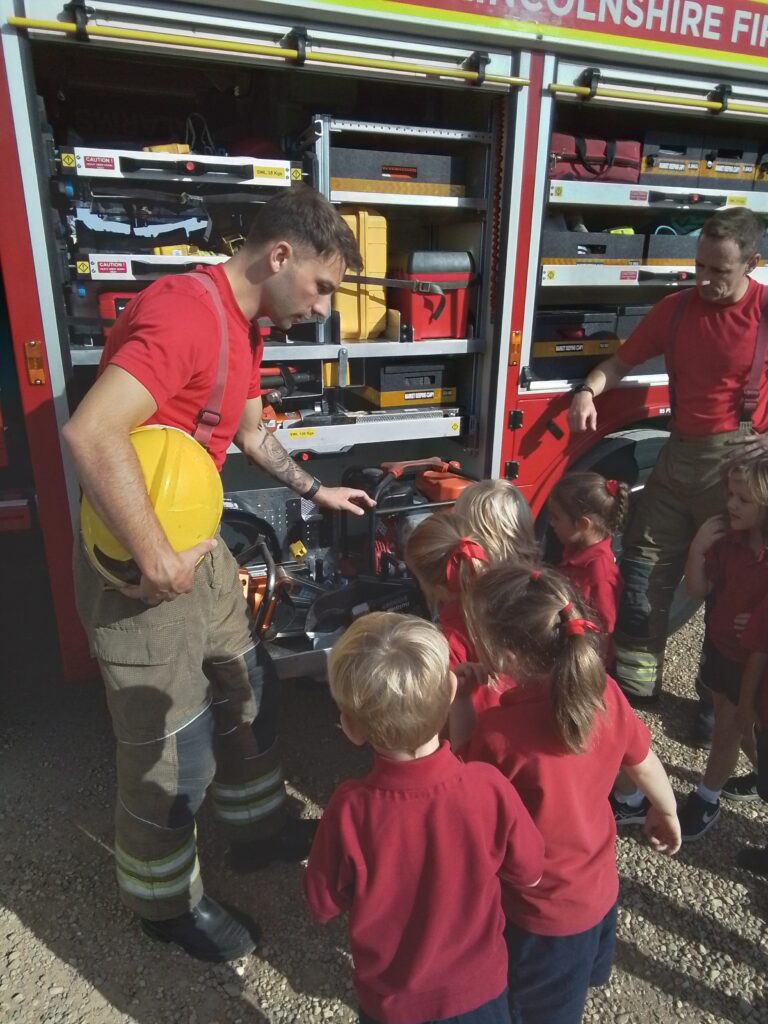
{"points": [[167, 338], [739, 583], [711, 361]]}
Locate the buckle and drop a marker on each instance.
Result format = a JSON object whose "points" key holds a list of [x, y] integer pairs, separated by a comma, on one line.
{"points": [[425, 287], [209, 417]]}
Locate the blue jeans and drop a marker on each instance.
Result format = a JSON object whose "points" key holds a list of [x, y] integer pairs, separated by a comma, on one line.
{"points": [[494, 1012], [549, 974]]}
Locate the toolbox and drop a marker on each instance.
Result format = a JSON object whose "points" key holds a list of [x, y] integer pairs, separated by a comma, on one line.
{"points": [[567, 343], [591, 247], [669, 248], [442, 312], [403, 385], [362, 307], [373, 170], [728, 162], [760, 183], [670, 158]]}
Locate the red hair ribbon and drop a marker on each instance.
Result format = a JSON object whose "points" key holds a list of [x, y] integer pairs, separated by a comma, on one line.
{"points": [[535, 576], [465, 551], [612, 486], [572, 626]]}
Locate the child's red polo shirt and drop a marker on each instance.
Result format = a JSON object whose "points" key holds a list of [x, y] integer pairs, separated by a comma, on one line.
{"points": [[754, 640], [739, 581], [594, 573], [567, 795], [168, 339], [413, 852], [461, 651]]}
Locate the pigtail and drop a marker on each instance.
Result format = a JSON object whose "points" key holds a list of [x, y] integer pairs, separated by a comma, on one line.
{"points": [[577, 682], [617, 514]]}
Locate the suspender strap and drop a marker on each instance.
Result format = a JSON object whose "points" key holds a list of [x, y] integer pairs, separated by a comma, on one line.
{"points": [[681, 305], [209, 416], [752, 390]]}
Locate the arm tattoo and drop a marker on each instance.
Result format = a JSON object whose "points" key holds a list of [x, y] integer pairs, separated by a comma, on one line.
{"points": [[275, 460]]}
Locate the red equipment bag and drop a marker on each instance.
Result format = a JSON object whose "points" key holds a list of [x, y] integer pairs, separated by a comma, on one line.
{"points": [[574, 158]]}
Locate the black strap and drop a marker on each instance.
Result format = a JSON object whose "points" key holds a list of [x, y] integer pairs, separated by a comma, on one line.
{"points": [[209, 417], [752, 390], [681, 305], [420, 287], [581, 155]]}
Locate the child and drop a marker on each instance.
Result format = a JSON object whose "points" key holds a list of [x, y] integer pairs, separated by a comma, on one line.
{"points": [[412, 851], [585, 510], [560, 737], [753, 715], [496, 514], [727, 564], [443, 561]]}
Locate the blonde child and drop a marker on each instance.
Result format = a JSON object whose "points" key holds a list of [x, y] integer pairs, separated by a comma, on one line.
{"points": [[496, 514], [728, 565], [585, 510], [559, 737], [412, 852]]}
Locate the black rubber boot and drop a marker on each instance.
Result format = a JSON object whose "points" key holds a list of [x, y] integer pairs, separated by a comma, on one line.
{"points": [[292, 843], [208, 932]]}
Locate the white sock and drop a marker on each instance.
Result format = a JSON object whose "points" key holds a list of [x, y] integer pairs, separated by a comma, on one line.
{"points": [[633, 799], [710, 795]]}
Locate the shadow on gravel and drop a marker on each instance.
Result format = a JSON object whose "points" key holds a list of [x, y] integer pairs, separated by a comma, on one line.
{"points": [[694, 926], [56, 797]]}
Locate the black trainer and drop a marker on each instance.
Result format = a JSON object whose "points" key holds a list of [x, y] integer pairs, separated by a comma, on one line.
{"points": [[697, 816], [752, 858], [625, 814], [208, 932], [292, 843], [741, 787]]}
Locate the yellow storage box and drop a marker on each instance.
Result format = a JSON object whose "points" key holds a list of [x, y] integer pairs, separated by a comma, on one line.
{"points": [[363, 308]]}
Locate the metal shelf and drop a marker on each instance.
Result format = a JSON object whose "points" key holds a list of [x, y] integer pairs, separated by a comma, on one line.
{"points": [[90, 355], [412, 131], [585, 275], [396, 199], [121, 266], [138, 165], [653, 197], [371, 429]]}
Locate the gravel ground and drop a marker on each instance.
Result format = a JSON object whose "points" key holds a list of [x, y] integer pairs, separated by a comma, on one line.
{"points": [[693, 940]]}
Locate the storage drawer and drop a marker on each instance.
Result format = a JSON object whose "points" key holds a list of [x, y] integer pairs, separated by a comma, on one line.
{"points": [[369, 170]]}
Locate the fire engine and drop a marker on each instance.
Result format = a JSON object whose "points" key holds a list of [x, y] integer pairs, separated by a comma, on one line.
{"points": [[525, 179]]}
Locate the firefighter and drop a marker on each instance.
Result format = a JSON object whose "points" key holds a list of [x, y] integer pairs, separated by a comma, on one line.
{"points": [[192, 696], [719, 401]]}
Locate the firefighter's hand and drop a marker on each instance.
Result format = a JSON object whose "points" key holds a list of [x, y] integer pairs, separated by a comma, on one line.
{"points": [[751, 446], [711, 529], [172, 576], [344, 499], [582, 414]]}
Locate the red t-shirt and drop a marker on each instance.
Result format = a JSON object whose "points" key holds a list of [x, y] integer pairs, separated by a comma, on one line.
{"points": [[712, 357], [594, 573], [461, 650], [754, 639], [739, 583], [567, 795], [167, 338], [413, 852]]}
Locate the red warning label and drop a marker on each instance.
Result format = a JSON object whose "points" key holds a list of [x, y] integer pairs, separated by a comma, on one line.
{"points": [[99, 163], [111, 267], [628, 275]]}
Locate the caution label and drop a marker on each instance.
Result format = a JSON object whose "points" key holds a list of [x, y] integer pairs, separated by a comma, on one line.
{"points": [[83, 267], [99, 163], [111, 267], [67, 159], [295, 174]]}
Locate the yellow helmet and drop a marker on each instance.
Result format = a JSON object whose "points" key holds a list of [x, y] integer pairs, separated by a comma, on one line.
{"points": [[184, 488]]}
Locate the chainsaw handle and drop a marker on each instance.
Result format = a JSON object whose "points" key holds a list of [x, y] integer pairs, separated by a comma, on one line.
{"points": [[397, 469], [270, 583]]}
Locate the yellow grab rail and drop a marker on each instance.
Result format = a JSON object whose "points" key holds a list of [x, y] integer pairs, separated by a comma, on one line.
{"points": [[255, 49], [651, 97]]}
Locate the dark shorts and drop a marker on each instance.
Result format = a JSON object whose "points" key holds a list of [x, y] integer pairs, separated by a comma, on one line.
{"points": [[549, 975], [720, 674], [495, 1012]]}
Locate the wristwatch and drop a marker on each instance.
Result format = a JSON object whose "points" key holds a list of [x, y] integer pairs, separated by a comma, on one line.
{"points": [[316, 485], [583, 387]]}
